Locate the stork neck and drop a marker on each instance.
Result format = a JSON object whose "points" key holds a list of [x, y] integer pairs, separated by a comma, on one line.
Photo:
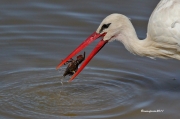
{"points": [[130, 40]]}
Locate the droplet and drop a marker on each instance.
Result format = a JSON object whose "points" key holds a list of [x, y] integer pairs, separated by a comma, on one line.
{"points": [[62, 79]]}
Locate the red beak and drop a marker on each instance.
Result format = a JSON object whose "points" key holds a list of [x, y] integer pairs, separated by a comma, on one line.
{"points": [[89, 40]]}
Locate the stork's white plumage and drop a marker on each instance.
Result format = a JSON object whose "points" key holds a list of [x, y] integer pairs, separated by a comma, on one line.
{"points": [[163, 36]]}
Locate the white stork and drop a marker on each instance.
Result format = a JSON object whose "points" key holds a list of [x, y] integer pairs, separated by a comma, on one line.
{"points": [[162, 41]]}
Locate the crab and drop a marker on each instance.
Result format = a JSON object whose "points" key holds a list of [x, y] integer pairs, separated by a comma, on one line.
{"points": [[73, 65]]}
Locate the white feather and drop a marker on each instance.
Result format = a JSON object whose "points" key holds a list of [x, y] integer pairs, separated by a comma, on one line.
{"points": [[163, 36]]}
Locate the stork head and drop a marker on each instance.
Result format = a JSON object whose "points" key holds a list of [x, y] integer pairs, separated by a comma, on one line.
{"points": [[109, 28]]}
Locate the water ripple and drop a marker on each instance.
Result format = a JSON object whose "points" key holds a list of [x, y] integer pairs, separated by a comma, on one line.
{"points": [[41, 93]]}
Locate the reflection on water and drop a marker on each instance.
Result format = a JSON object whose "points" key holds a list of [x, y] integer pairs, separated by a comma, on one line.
{"points": [[36, 35]]}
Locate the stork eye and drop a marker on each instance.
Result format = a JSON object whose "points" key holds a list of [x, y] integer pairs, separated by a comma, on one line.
{"points": [[104, 26]]}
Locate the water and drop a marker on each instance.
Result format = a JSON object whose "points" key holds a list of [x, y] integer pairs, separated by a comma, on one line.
{"points": [[36, 35]]}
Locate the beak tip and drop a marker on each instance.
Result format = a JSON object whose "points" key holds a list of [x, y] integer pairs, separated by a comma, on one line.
{"points": [[58, 66], [70, 80]]}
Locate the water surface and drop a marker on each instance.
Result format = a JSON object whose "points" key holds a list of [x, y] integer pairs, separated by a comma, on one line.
{"points": [[36, 35]]}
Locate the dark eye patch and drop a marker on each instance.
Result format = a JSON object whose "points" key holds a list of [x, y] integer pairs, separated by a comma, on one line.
{"points": [[104, 26]]}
